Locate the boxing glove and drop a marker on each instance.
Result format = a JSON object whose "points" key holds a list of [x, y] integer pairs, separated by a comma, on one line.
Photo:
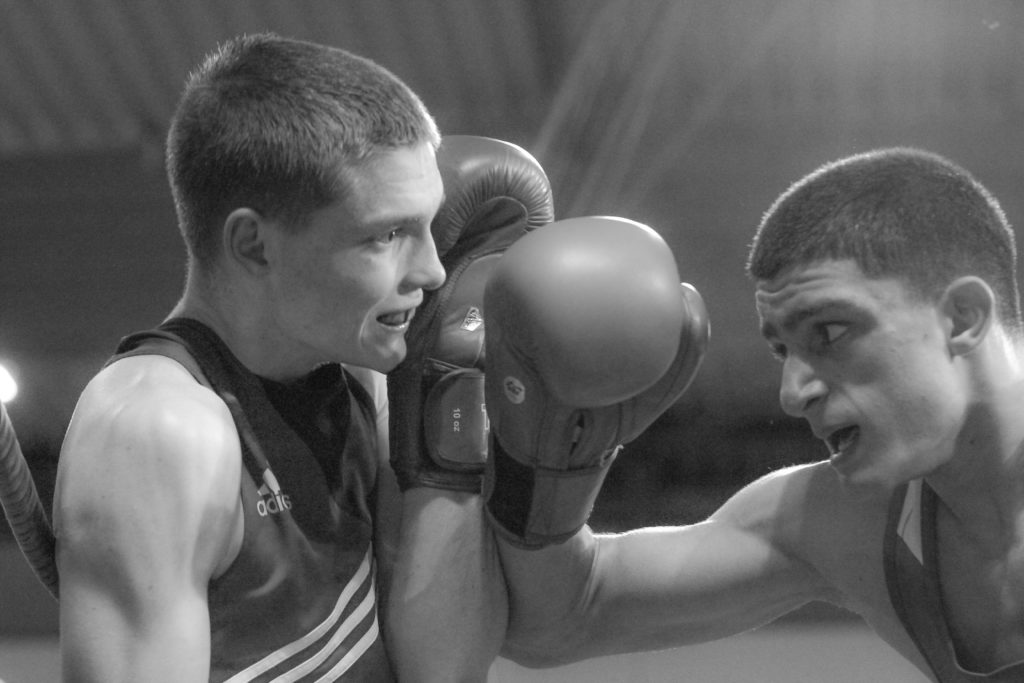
{"points": [[495, 192], [590, 338]]}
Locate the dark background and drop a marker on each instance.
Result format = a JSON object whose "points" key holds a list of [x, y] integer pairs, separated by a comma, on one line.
{"points": [[691, 116]]}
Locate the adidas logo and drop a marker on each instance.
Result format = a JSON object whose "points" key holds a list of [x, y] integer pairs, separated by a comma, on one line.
{"points": [[473, 320], [272, 500], [515, 390]]}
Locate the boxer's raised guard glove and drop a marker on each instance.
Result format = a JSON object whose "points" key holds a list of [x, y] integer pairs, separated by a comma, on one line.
{"points": [[591, 336], [495, 193]]}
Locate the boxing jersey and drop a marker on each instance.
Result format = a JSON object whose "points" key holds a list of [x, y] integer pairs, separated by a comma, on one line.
{"points": [[299, 601], [912, 577]]}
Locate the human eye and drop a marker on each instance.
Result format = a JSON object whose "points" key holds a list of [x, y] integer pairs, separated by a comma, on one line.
{"points": [[826, 334], [387, 237], [833, 331]]}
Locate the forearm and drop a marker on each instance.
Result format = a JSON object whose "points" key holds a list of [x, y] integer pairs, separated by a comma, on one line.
{"points": [[447, 608], [549, 592]]}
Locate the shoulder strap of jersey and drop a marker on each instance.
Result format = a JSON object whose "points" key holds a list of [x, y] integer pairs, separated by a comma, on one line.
{"points": [[207, 358]]}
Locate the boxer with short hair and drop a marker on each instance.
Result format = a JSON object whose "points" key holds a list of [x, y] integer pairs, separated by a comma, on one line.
{"points": [[225, 508], [886, 286]]}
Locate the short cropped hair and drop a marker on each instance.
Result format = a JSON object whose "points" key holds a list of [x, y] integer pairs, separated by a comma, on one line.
{"points": [[899, 212], [272, 124]]}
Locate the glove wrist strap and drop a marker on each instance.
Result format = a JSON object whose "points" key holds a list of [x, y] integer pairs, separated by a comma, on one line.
{"points": [[533, 507]]}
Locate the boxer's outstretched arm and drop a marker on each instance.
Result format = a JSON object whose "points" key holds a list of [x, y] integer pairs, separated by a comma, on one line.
{"points": [[146, 511], [657, 588], [591, 337]]}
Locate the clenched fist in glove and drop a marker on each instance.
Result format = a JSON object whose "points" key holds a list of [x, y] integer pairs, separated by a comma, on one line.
{"points": [[590, 338], [495, 193]]}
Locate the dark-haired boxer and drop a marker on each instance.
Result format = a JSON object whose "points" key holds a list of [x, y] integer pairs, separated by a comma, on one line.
{"points": [[886, 285]]}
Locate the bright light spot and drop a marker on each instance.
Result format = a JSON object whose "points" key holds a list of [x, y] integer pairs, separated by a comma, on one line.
{"points": [[8, 387]]}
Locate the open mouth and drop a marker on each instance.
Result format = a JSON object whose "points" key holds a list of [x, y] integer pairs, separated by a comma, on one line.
{"points": [[397, 319], [841, 439]]}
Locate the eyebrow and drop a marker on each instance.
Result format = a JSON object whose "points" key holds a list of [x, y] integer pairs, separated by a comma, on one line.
{"points": [[795, 318], [403, 221]]}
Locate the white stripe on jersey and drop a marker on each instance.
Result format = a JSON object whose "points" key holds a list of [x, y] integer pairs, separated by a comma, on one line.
{"points": [[353, 655], [365, 607], [909, 528], [362, 576]]}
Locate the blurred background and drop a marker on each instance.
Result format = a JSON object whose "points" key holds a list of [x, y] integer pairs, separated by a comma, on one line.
{"points": [[688, 115]]}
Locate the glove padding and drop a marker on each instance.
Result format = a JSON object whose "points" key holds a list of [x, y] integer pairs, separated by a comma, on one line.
{"points": [[591, 337], [495, 192]]}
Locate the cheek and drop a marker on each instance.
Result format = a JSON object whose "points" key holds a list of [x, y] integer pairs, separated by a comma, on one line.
{"points": [[320, 291], [356, 287], [924, 395]]}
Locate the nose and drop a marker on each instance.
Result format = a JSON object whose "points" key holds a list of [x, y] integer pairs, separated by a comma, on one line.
{"points": [[801, 386], [426, 271]]}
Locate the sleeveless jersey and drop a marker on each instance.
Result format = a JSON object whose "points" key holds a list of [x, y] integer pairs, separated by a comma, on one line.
{"points": [[911, 573], [299, 601]]}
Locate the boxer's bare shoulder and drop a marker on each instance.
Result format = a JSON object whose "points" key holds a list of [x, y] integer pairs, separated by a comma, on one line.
{"points": [[805, 509], [145, 438]]}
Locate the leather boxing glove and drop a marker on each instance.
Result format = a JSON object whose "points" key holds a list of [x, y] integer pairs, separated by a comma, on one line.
{"points": [[495, 192], [590, 338]]}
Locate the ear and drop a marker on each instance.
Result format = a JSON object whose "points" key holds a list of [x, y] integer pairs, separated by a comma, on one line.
{"points": [[244, 234], [969, 304]]}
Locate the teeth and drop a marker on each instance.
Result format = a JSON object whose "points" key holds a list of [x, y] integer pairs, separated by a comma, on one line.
{"points": [[395, 318]]}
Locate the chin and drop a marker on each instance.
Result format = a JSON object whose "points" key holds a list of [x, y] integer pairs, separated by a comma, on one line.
{"points": [[868, 483], [864, 488], [386, 362], [380, 354], [386, 367]]}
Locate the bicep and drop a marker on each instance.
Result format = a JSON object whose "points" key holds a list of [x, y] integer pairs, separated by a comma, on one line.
{"points": [[744, 566], [104, 639], [142, 514], [666, 587], [661, 587]]}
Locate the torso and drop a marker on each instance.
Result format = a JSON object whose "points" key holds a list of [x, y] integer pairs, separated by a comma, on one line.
{"points": [[984, 600], [962, 607], [296, 592]]}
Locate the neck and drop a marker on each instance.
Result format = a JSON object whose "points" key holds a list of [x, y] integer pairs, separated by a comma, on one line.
{"points": [[982, 485], [238, 319]]}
